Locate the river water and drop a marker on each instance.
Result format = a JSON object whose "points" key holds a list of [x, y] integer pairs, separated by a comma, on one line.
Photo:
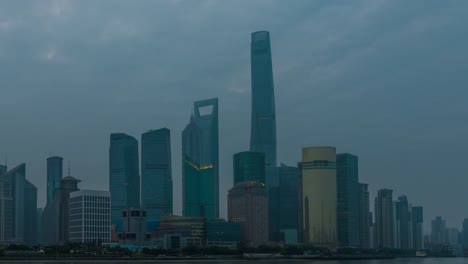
{"points": [[391, 261]]}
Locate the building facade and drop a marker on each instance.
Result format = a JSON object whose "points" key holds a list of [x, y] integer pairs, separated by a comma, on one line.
{"points": [[465, 233], [176, 232], [18, 183], [89, 220], [156, 173], [319, 195], [403, 223], [248, 206], [30, 214], [249, 166], [288, 203], [124, 176], [384, 219], [263, 126], [364, 211], [347, 180], [54, 175], [417, 220], [438, 231], [56, 216], [200, 162], [222, 233], [6, 206]]}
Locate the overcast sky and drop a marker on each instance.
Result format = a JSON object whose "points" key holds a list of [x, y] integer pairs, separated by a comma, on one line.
{"points": [[384, 80]]}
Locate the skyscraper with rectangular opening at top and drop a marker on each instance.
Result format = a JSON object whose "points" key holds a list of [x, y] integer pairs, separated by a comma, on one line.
{"points": [[200, 161]]}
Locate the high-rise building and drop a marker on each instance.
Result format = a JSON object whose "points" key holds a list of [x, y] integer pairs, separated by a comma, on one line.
{"points": [[18, 182], [318, 191], [6, 206], [347, 180], [222, 233], [39, 225], [263, 127], [156, 173], [56, 216], [54, 175], [453, 236], [30, 214], [417, 221], [200, 161], [89, 217], [403, 223], [124, 176], [248, 206], [384, 219], [465, 233], [288, 203], [438, 231], [363, 219], [249, 166]]}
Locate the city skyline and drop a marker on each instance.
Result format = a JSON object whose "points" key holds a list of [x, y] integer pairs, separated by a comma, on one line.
{"points": [[83, 139]]}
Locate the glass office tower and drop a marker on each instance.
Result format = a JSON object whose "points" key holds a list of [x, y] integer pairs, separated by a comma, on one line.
{"points": [[348, 199], [124, 177], [6, 206], [249, 166], [156, 173], [263, 127], [30, 214], [54, 175], [200, 161]]}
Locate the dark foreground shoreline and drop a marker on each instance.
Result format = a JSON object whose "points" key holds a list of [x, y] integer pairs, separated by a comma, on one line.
{"points": [[175, 258]]}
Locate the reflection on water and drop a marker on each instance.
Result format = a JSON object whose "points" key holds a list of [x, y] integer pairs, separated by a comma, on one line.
{"points": [[391, 261]]}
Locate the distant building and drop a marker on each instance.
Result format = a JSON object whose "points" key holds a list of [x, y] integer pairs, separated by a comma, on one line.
{"points": [[384, 219], [54, 176], [156, 173], [6, 206], [417, 222], [222, 233], [39, 225], [249, 166], [347, 180], [90, 217], [134, 227], [465, 233], [453, 236], [18, 183], [403, 223], [288, 203], [176, 232], [372, 235], [124, 176], [318, 191], [364, 220], [56, 215], [263, 123], [200, 162], [438, 231], [248, 206], [30, 214]]}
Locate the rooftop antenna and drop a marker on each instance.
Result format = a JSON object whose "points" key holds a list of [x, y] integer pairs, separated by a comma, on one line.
{"points": [[69, 168]]}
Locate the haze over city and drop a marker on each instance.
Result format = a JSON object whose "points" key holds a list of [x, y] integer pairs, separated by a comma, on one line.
{"points": [[385, 80]]}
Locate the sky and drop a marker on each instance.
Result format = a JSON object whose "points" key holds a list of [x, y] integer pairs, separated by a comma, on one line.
{"points": [[385, 80]]}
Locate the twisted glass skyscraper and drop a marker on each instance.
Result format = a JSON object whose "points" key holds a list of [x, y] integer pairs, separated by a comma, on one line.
{"points": [[156, 173], [263, 127], [124, 176], [200, 161]]}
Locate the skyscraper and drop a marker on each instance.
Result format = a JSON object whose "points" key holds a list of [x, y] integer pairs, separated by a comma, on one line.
{"points": [[54, 175], [318, 181], [200, 161], [248, 205], [288, 203], [384, 219], [438, 231], [6, 206], [18, 180], [348, 199], [30, 214], [156, 173], [364, 219], [417, 229], [249, 166], [465, 233], [403, 223], [263, 127], [124, 176]]}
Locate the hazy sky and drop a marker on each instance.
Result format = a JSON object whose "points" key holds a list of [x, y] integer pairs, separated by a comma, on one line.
{"points": [[385, 80]]}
